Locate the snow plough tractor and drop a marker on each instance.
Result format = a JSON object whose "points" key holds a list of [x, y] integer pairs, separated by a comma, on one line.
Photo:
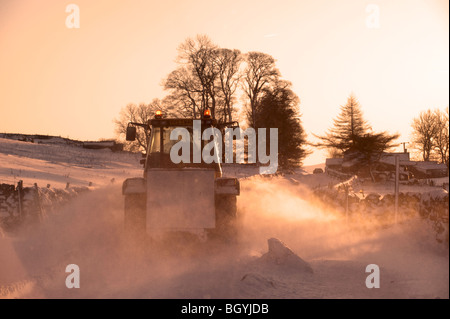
{"points": [[180, 193]]}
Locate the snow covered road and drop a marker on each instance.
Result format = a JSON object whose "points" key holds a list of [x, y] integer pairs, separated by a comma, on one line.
{"points": [[88, 233]]}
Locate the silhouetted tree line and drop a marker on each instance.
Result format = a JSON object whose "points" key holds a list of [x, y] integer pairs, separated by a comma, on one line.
{"points": [[214, 78], [210, 77]]}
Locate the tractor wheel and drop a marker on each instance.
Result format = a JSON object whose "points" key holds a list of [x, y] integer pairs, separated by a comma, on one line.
{"points": [[226, 213], [135, 216]]}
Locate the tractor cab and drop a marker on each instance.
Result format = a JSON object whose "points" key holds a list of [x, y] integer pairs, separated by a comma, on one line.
{"points": [[166, 133]]}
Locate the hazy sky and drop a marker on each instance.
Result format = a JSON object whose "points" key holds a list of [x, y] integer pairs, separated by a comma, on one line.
{"points": [[73, 82]]}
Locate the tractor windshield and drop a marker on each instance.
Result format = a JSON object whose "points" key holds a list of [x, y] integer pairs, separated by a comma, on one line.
{"points": [[165, 142], [158, 155]]}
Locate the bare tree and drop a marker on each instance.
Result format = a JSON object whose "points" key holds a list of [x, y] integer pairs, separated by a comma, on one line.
{"points": [[260, 72], [139, 114], [441, 141], [425, 129], [186, 92], [208, 77], [198, 58], [228, 63]]}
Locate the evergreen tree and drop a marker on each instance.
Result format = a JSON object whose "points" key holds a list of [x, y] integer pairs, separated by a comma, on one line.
{"points": [[347, 127], [279, 108], [371, 147], [351, 133]]}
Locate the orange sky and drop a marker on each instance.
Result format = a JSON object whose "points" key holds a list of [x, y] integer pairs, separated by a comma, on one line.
{"points": [[73, 82]]}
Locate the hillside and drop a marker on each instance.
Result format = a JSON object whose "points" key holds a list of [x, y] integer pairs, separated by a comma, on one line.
{"points": [[57, 161]]}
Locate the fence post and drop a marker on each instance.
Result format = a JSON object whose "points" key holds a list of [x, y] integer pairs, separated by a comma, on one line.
{"points": [[20, 198], [397, 186], [37, 202]]}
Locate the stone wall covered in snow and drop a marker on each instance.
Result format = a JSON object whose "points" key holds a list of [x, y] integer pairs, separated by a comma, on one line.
{"points": [[27, 205], [431, 206]]}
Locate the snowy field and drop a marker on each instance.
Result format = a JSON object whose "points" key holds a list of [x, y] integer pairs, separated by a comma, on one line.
{"points": [[89, 232], [57, 163]]}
